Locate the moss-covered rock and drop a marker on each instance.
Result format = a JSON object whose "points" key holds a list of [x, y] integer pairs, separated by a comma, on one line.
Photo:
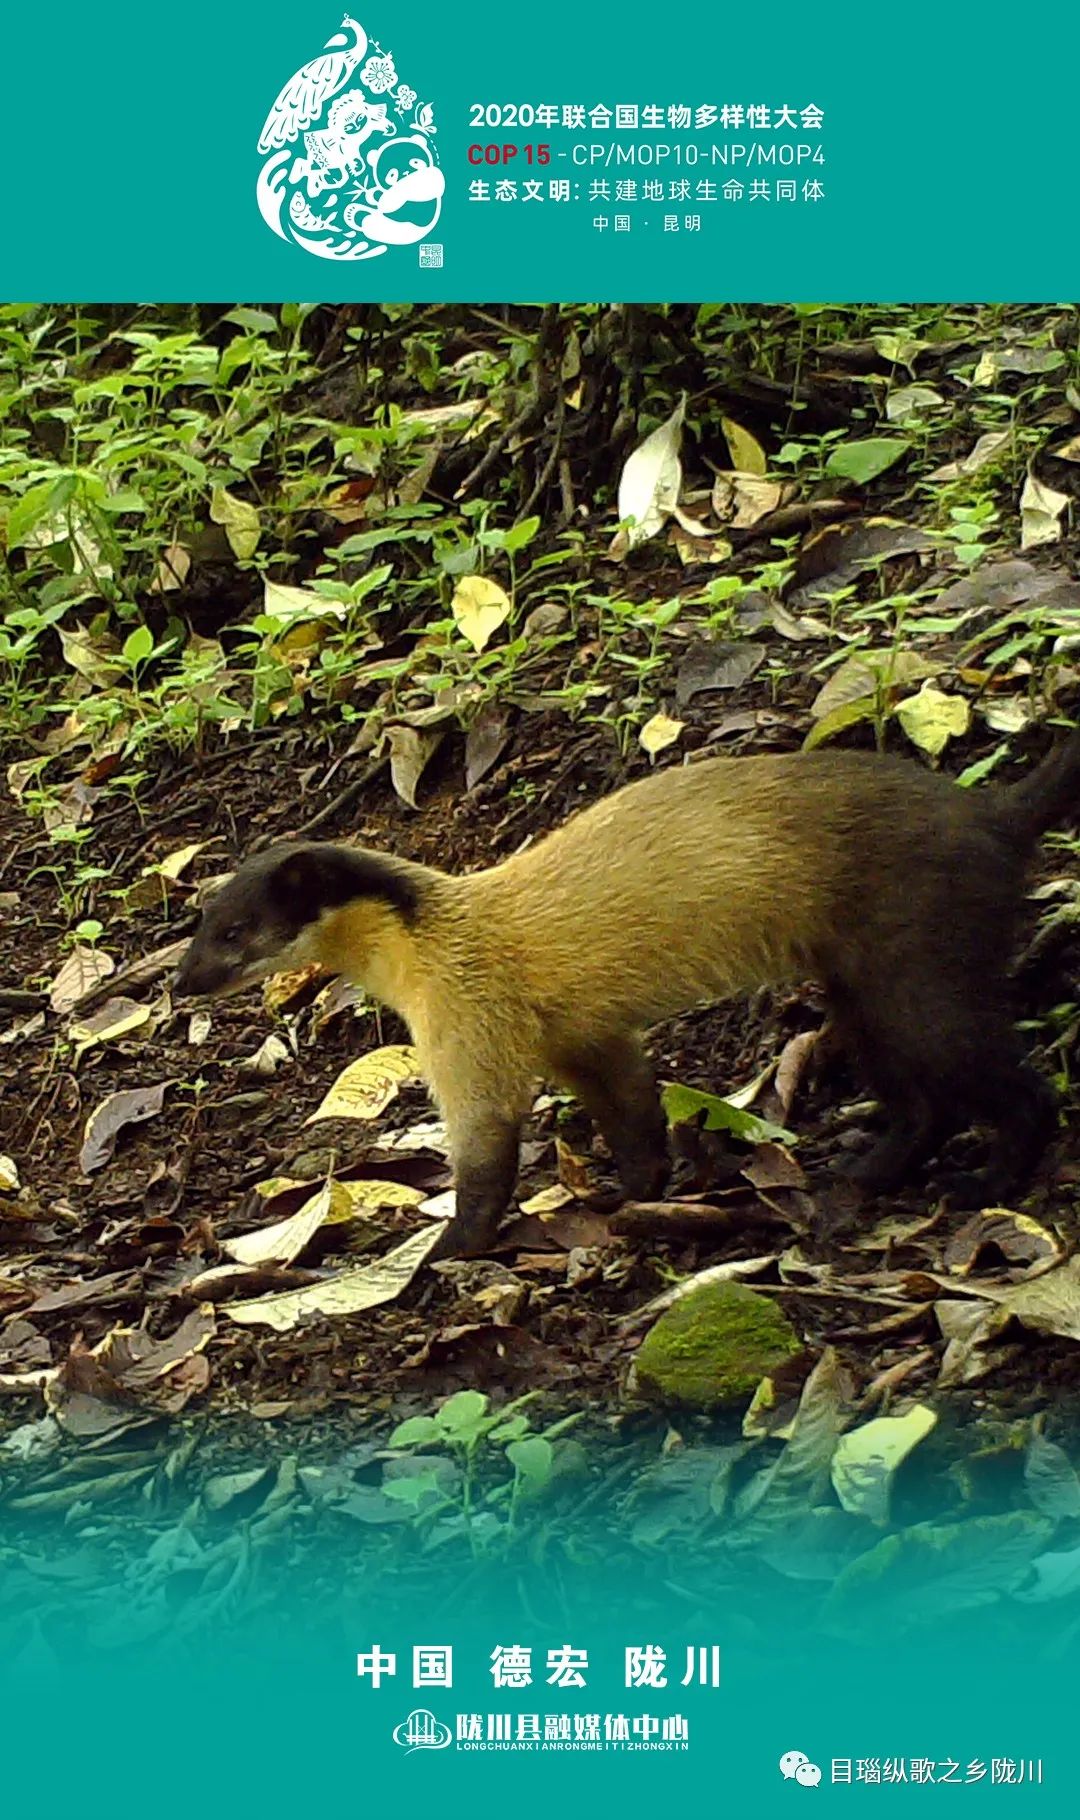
{"points": [[712, 1348]]}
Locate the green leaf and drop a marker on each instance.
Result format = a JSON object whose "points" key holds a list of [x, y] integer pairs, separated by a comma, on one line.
{"points": [[62, 490], [514, 1430], [982, 767], [258, 321], [925, 1574], [127, 500], [848, 715], [684, 1103], [461, 1415], [533, 1459], [416, 1431], [863, 461], [519, 535], [138, 646], [190, 465], [27, 512], [414, 1491]]}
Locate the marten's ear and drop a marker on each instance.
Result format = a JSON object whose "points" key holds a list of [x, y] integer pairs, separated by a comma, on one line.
{"points": [[304, 881], [300, 882]]}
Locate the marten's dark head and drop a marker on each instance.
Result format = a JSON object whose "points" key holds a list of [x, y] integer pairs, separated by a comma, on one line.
{"points": [[272, 913]]}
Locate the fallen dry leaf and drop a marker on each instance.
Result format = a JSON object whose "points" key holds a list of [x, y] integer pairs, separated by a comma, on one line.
{"points": [[286, 1239], [1041, 512], [650, 483], [366, 1087], [84, 969], [410, 752], [107, 1120], [349, 1292], [658, 733], [1020, 1239]]}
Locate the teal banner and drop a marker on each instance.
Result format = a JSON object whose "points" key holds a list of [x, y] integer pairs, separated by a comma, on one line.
{"points": [[290, 1680], [405, 154]]}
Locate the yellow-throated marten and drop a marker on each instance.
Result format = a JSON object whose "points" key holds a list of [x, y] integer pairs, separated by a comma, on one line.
{"points": [[893, 887]]}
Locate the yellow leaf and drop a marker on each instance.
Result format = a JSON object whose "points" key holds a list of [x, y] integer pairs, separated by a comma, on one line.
{"points": [[240, 521], [290, 604], [277, 1184], [869, 1455], [659, 732], [367, 1196], [366, 1087], [747, 454], [285, 1240], [116, 1019], [179, 860], [547, 1200], [480, 607], [931, 718]]}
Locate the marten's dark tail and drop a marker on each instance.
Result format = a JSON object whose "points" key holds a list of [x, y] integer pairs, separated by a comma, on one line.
{"points": [[1047, 796]]}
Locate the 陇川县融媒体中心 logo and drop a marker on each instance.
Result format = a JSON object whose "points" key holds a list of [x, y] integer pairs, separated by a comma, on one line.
{"points": [[349, 168]]}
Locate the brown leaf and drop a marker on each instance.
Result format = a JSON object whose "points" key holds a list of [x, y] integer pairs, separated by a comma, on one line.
{"points": [[743, 500], [95, 1289], [173, 568], [485, 743], [774, 1167], [725, 664], [129, 1107], [999, 585], [833, 558], [136, 1360], [790, 1069], [1020, 1239], [409, 755], [84, 969]]}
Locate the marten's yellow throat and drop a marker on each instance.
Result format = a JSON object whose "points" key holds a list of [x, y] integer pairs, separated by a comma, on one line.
{"points": [[894, 888]]}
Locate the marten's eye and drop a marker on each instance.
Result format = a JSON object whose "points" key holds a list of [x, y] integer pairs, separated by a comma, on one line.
{"points": [[233, 934]]}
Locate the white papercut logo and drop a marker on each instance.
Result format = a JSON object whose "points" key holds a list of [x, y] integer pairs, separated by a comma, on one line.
{"points": [[349, 166], [421, 1731]]}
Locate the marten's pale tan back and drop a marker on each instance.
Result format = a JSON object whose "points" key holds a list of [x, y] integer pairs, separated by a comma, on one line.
{"points": [[692, 885]]}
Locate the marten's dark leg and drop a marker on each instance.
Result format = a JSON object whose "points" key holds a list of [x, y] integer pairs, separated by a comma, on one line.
{"points": [[940, 1049], [615, 1084], [1022, 1108], [910, 1137], [891, 1061], [484, 1152]]}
